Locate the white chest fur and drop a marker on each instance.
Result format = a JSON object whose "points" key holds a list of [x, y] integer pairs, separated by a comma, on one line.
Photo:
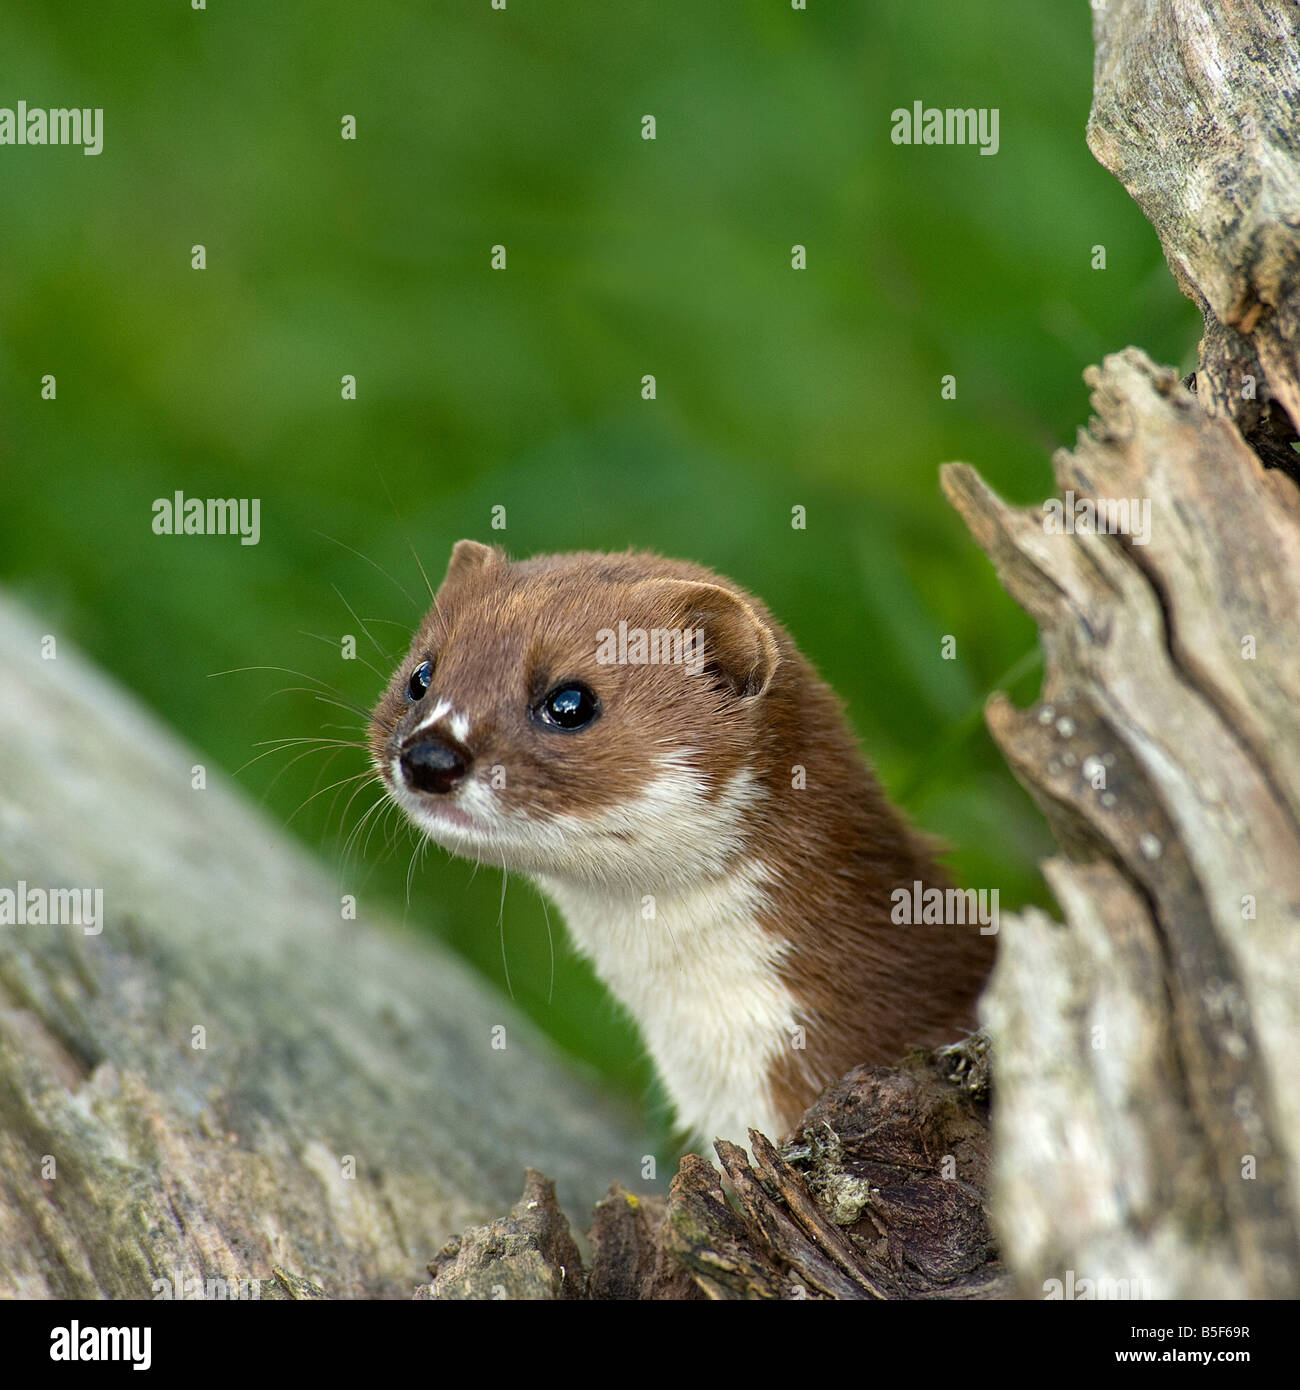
{"points": [[699, 977]]}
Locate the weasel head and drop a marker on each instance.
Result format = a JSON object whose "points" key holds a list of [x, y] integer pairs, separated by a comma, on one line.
{"points": [[588, 718]]}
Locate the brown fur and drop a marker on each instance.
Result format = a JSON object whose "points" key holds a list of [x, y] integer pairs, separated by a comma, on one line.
{"points": [[504, 633]]}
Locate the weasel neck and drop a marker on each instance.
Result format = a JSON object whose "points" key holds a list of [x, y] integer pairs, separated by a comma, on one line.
{"points": [[700, 976]]}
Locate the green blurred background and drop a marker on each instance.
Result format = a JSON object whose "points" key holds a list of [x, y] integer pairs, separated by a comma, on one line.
{"points": [[522, 388]]}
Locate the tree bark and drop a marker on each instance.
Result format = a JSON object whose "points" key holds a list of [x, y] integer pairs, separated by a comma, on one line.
{"points": [[1147, 1120], [1195, 112], [137, 1154], [878, 1193]]}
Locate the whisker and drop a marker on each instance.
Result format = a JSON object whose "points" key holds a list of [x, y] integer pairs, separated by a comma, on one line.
{"points": [[334, 752], [370, 835], [420, 566], [388, 828], [312, 738], [354, 777], [341, 704], [334, 801], [550, 941], [354, 833], [371, 563], [337, 787], [383, 482], [391, 622], [361, 624], [339, 698], [283, 670], [410, 869], [501, 926], [282, 743], [332, 642], [394, 827], [345, 848]]}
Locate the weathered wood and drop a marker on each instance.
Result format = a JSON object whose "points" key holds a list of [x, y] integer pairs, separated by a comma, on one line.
{"points": [[323, 1038], [879, 1193], [628, 1259], [529, 1254], [1196, 110], [1147, 1122]]}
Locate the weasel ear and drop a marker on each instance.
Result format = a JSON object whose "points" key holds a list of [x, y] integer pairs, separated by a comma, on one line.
{"points": [[467, 556], [739, 647]]}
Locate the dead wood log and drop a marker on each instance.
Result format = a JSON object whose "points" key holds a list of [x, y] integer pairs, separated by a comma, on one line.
{"points": [[229, 1082], [1196, 108], [879, 1193], [1147, 1125]]}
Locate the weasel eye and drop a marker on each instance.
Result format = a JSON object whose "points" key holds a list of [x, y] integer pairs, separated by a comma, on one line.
{"points": [[569, 706], [421, 678]]}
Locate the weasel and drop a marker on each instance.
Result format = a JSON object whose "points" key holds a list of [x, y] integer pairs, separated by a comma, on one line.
{"points": [[642, 739]]}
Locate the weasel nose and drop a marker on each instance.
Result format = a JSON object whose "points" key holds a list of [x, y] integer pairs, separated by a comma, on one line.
{"points": [[434, 765]]}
